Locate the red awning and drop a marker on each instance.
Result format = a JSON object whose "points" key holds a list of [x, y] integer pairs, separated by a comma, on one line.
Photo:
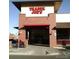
{"points": [[38, 25]]}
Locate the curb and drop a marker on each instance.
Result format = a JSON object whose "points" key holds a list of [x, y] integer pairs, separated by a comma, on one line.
{"points": [[51, 54]]}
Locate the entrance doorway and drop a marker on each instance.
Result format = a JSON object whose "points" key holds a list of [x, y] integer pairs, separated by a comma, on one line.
{"points": [[39, 35]]}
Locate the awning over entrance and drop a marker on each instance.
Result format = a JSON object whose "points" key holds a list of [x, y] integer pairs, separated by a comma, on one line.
{"points": [[58, 25], [36, 21], [38, 25], [62, 25]]}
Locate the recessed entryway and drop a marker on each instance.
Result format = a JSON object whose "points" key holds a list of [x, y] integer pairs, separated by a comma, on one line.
{"points": [[39, 35]]}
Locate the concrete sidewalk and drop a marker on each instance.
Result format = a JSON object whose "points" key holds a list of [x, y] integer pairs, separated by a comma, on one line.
{"points": [[34, 50]]}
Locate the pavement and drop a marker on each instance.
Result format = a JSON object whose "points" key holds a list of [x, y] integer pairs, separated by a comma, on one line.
{"points": [[36, 57], [37, 51], [34, 50]]}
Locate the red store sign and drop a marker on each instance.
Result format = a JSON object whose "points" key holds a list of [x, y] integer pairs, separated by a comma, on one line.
{"points": [[36, 10]]}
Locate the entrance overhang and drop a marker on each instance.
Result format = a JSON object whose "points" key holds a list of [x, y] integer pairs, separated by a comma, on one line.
{"points": [[38, 25], [63, 25]]}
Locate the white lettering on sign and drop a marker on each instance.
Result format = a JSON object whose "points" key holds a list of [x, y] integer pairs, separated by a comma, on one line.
{"points": [[37, 11]]}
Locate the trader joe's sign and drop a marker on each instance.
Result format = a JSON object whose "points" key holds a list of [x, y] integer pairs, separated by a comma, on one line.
{"points": [[37, 11]]}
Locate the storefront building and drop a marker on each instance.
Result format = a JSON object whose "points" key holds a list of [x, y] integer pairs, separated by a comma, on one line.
{"points": [[37, 22], [13, 41]]}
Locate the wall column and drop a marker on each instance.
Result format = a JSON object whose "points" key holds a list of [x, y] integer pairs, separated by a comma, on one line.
{"points": [[22, 31], [52, 32]]}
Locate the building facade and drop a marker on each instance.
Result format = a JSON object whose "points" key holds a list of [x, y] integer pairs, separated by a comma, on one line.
{"points": [[37, 22]]}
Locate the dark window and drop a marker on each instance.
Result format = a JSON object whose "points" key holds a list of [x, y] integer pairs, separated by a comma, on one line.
{"points": [[14, 41], [63, 33]]}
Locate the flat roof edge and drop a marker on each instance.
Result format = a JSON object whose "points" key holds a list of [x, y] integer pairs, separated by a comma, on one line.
{"points": [[35, 0]]}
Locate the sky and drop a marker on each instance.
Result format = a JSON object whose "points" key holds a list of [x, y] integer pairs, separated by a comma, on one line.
{"points": [[14, 14]]}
